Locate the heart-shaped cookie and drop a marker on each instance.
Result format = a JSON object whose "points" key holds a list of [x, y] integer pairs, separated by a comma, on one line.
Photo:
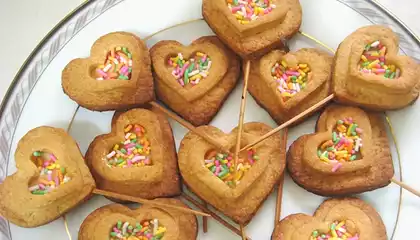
{"points": [[199, 102], [138, 157], [242, 201], [117, 222], [287, 84], [253, 28], [44, 189], [369, 73], [348, 154], [347, 218], [117, 75]]}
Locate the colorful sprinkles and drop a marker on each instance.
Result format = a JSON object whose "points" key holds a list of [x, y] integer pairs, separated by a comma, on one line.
{"points": [[247, 11], [134, 151], [291, 79], [345, 145], [338, 231], [191, 71], [222, 165], [373, 61], [52, 175], [118, 65], [145, 230]]}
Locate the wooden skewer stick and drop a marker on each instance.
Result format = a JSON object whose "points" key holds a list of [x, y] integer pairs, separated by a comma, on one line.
{"points": [[281, 183], [242, 232], [149, 202], [215, 216], [289, 122], [205, 220], [241, 118], [190, 127], [405, 186]]}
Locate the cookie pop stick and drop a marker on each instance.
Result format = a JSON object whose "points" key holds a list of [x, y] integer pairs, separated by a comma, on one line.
{"points": [[215, 216], [281, 183], [145, 201], [241, 118], [405, 186], [190, 127]]}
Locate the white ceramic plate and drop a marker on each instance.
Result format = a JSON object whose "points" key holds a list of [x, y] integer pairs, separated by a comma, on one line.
{"points": [[36, 98]]}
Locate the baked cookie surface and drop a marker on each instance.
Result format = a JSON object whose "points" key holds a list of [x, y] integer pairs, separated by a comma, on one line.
{"points": [[210, 175], [286, 84], [138, 157], [117, 74], [117, 221], [334, 217], [368, 71], [51, 178], [343, 157], [194, 80]]}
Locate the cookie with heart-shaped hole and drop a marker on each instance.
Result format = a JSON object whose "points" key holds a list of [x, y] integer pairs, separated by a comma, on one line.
{"points": [[144, 166], [173, 224], [216, 68], [368, 72], [116, 75], [348, 154], [266, 30], [286, 84], [335, 217], [37, 194], [264, 166]]}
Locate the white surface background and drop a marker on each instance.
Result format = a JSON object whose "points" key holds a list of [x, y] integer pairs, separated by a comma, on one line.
{"points": [[23, 23]]}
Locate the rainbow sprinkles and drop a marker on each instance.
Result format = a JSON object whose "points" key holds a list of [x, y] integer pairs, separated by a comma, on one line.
{"points": [[51, 174], [118, 65], [345, 145], [338, 231], [146, 230], [247, 11], [291, 79], [373, 61], [190, 71]]}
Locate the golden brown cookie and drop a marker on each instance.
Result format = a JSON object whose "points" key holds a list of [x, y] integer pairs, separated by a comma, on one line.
{"points": [[117, 75], [368, 71], [349, 217], [256, 33], [171, 224], [137, 158], [287, 84], [51, 178], [209, 173], [199, 97], [348, 154]]}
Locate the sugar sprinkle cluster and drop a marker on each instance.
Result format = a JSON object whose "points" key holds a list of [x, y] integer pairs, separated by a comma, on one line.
{"points": [[247, 11], [373, 61], [51, 174], [338, 231], [291, 79], [134, 151], [145, 230], [222, 165], [192, 70], [118, 65], [345, 144]]}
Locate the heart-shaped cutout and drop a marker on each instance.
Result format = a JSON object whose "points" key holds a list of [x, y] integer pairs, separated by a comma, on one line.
{"points": [[287, 84], [50, 200], [395, 81], [254, 35], [203, 99], [243, 200], [133, 151], [192, 70], [145, 168], [222, 165], [347, 218], [323, 162], [117, 222], [123, 60], [51, 174]]}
